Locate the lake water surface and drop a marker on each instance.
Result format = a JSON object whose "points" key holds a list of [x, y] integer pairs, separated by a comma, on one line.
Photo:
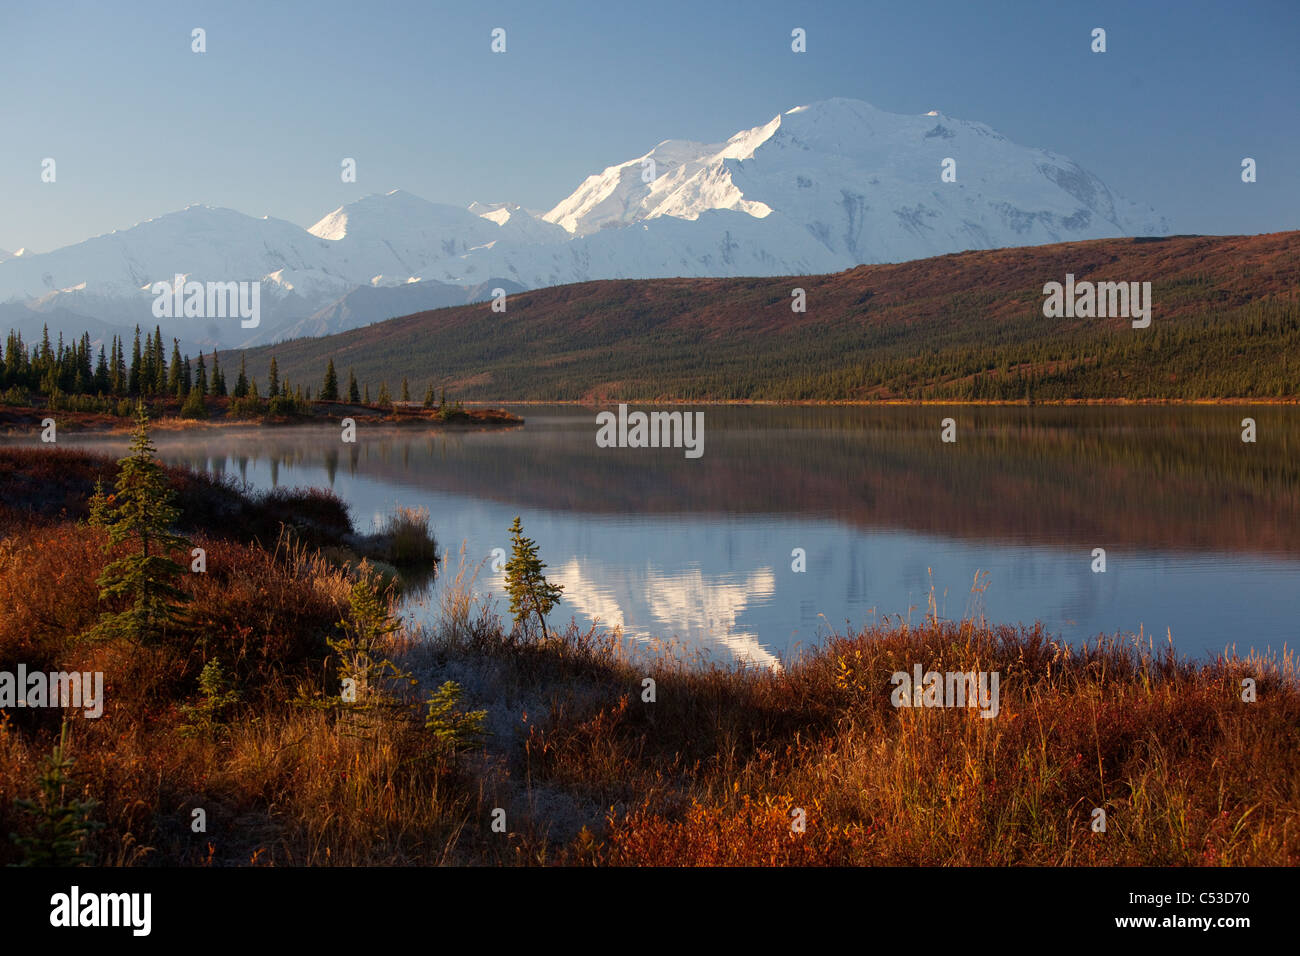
{"points": [[1201, 531]]}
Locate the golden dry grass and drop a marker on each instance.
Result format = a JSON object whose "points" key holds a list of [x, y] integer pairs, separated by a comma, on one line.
{"points": [[587, 772]]}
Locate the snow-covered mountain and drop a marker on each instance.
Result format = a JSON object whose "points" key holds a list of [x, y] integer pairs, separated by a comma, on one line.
{"points": [[386, 239], [867, 185], [816, 189], [308, 276]]}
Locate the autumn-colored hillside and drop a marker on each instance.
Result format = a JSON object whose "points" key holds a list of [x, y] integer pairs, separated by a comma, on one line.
{"points": [[970, 326]]}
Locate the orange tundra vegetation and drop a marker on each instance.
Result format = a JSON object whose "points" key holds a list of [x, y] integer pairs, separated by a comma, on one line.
{"points": [[234, 712]]}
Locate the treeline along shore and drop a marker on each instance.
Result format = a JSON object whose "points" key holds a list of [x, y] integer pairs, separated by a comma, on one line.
{"points": [[69, 385]]}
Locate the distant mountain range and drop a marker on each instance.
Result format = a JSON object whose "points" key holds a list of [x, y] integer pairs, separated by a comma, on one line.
{"points": [[817, 189]]}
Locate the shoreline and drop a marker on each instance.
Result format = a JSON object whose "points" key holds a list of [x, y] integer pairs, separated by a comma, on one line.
{"points": [[480, 415], [896, 403], [22, 420]]}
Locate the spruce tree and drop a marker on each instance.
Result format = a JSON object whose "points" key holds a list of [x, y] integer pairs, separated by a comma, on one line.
{"points": [[15, 360], [133, 376], [361, 651], [84, 372], [114, 375], [140, 513], [218, 377], [146, 366], [428, 397], [241, 383], [194, 406], [102, 385], [329, 392], [159, 362], [61, 367], [174, 373], [530, 592], [119, 370], [354, 395], [406, 391], [273, 383], [62, 822]]}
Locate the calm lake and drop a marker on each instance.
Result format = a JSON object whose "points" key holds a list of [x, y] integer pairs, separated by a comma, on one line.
{"points": [[1201, 531]]}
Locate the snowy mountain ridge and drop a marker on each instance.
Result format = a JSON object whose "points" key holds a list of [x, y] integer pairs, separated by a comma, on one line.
{"points": [[818, 188]]}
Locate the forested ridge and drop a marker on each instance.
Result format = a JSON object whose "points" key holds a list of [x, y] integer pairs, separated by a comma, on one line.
{"points": [[969, 326]]}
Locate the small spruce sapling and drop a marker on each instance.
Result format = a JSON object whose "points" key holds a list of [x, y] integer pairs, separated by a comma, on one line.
{"points": [[62, 824], [360, 651], [215, 696], [530, 592], [453, 728]]}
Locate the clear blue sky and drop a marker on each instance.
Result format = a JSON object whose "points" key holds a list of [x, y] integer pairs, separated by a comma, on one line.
{"points": [[140, 126]]}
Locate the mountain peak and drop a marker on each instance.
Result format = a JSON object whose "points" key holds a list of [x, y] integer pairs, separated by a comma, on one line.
{"points": [[865, 183], [498, 212], [833, 104], [377, 210]]}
